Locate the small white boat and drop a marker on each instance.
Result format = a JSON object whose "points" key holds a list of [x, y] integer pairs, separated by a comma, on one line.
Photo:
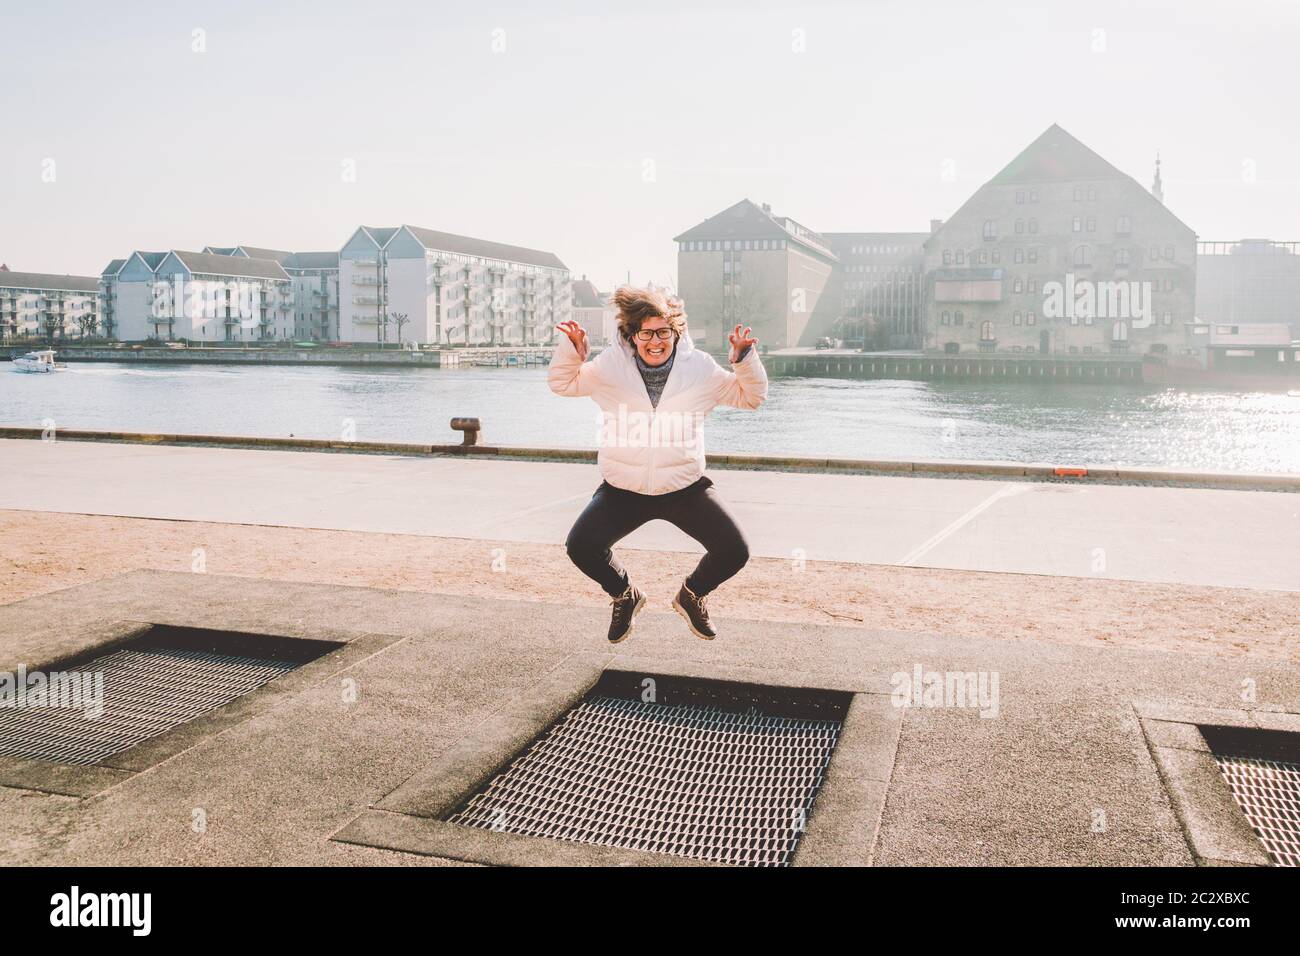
{"points": [[37, 362]]}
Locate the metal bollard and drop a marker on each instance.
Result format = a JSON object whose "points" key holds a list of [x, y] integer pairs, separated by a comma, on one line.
{"points": [[471, 428]]}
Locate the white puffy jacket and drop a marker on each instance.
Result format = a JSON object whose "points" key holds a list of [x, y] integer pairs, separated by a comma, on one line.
{"points": [[646, 449]]}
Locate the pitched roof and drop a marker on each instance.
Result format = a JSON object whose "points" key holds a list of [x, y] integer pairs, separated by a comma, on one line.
{"points": [[314, 260], [114, 267], [585, 295], [381, 234], [748, 220], [253, 252], [450, 242], [235, 266], [221, 250], [152, 259], [50, 281], [1056, 156]]}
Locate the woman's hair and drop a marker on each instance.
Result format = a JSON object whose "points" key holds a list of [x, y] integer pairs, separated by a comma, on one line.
{"points": [[635, 305]]}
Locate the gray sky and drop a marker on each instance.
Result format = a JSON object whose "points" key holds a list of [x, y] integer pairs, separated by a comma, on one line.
{"points": [[600, 134]]}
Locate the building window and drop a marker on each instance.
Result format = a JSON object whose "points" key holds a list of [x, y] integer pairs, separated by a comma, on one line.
{"points": [[945, 319], [1169, 253], [1122, 258], [1155, 253], [961, 257], [1015, 318], [1033, 197], [1033, 223], [1033, 284], [1033, 255], [1092, 223], [1092, 194], [990, 229], [997, 256], [1123, 226], [947, 257], [1020, 197], [1019, 256], [1082, 256], [1168, 318], [1031, 319], [1076, 224], [986, 331], [1018, 285], [1020, 227], [959, 319], [1169, 285]]}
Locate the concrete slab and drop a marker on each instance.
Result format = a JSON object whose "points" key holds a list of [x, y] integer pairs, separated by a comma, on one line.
{"points": [[1024, 786], [1160, 534]]}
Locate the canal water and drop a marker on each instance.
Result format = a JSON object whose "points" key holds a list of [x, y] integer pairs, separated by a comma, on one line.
{"points": [[1131, 425]]}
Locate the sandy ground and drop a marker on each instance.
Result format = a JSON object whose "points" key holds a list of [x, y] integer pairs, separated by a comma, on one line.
{"points": [[42, 552]]}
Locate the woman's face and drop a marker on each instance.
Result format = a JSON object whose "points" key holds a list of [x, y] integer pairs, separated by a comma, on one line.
{"points": [[657, 349]]}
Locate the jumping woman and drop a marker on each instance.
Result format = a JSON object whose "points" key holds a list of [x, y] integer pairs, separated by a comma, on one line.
{"points": [[654, 390]]}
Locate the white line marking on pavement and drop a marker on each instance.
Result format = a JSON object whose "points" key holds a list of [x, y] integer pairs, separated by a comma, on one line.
{"points": [[1006, 491], [516, 515]]}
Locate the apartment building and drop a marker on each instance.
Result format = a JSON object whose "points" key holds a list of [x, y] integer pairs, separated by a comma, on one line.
{"points": [[199, 297], [315, 278], [1061, 253], [409, 284], [747, 266], [51, 307]]}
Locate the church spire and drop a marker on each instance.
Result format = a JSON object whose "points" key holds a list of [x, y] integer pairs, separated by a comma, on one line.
{"points": [[1157, 187]]}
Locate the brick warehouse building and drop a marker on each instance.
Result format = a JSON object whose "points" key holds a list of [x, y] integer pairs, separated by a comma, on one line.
{"points": [[747, 266], [1060, 253]]}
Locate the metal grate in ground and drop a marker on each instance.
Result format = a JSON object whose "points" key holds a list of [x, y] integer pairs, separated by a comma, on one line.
{"points": [[704, 777], [148, 687], [1262, 769]]}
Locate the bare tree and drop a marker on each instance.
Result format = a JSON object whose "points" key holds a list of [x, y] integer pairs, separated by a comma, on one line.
{"points": [[400, 319]]}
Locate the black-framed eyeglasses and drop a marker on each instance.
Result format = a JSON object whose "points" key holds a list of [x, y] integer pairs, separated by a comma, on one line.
{"points": [[645, 335]]}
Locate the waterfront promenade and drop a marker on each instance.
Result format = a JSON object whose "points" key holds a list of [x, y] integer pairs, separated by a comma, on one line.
{"points": [[1178, 535]]}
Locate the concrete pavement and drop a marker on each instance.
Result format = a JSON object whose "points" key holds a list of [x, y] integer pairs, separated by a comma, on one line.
{"points": [[1193, 536], [1066, 747]]}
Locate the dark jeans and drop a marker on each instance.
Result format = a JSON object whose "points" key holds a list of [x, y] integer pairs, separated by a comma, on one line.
{"points": [[697, 509]]}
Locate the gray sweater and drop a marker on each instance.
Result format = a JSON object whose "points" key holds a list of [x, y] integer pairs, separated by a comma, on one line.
{"points": [[654, 376]]}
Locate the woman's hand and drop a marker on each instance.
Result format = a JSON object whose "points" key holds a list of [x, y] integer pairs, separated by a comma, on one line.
{"points": [[578, 336], [739, 341]]}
